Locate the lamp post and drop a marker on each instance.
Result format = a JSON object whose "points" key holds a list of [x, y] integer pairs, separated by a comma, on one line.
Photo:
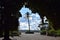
{"points": [[28, 20]]}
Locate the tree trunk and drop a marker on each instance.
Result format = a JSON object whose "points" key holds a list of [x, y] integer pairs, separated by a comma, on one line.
{"points": [[6, 35]]}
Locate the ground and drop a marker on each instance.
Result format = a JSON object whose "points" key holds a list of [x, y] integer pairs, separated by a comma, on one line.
{"points": [[35, 36]]}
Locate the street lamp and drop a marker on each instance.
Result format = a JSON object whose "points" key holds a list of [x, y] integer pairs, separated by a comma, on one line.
{"points": [[28, 20]]}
